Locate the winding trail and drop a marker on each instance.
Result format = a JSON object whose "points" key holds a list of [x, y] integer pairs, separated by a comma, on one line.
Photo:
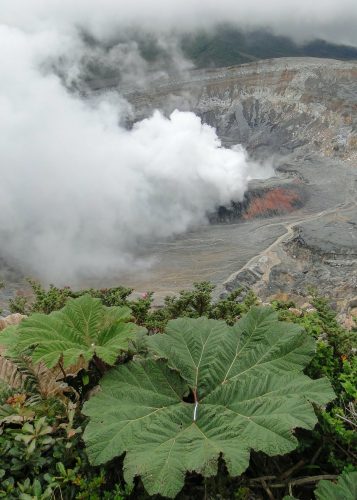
{"points": [[286, 237]]}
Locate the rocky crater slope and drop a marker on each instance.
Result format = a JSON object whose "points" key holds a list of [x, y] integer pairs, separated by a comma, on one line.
{"points": [[300, 114], [274, 106], [295, 230]]}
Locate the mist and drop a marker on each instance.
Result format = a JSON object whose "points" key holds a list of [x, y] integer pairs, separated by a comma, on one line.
{"points": [[81, 195]]}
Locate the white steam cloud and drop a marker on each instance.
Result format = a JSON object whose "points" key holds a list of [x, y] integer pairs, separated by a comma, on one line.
{"points": [[81, 195]]}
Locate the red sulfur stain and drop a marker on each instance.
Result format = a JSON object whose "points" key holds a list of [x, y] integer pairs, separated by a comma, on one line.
{"points": [[277, 200]]}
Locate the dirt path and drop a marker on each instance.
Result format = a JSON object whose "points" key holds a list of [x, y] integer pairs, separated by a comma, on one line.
{"points": [[271, 249]]}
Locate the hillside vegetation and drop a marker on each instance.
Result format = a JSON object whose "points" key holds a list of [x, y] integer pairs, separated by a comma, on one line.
{"points": [[104, 397], [228, 46]]}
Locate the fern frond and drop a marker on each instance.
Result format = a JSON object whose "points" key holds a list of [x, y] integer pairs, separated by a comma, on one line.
{"points": [[10, 374], [38, 381]]}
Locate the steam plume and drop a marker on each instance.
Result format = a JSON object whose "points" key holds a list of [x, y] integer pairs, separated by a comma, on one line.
{"points": [[82, 195]]}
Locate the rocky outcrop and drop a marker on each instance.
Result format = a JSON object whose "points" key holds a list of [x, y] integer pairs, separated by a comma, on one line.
{"points": [[12, 319], [331, 237], [266, 198]]}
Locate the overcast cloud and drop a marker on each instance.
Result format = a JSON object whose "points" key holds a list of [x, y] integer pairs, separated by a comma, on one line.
{"points": [[335, 20]]}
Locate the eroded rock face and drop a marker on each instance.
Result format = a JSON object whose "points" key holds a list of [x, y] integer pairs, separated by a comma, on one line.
{"points": [[273, 106]]}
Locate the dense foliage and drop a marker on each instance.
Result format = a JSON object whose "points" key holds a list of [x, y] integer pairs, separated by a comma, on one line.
{"points": [[42, 452]]}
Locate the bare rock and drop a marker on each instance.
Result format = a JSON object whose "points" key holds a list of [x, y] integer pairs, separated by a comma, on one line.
{"points": [[12, 319], [296, 312]]}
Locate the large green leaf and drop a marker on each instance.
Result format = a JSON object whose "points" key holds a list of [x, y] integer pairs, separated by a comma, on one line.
{"points": [[344, 489], [82, 329], [208, 389]]}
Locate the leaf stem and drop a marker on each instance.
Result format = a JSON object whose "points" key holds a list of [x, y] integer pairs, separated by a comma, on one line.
{"points": [[196, 405], [99, 364], [62, 369]]}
